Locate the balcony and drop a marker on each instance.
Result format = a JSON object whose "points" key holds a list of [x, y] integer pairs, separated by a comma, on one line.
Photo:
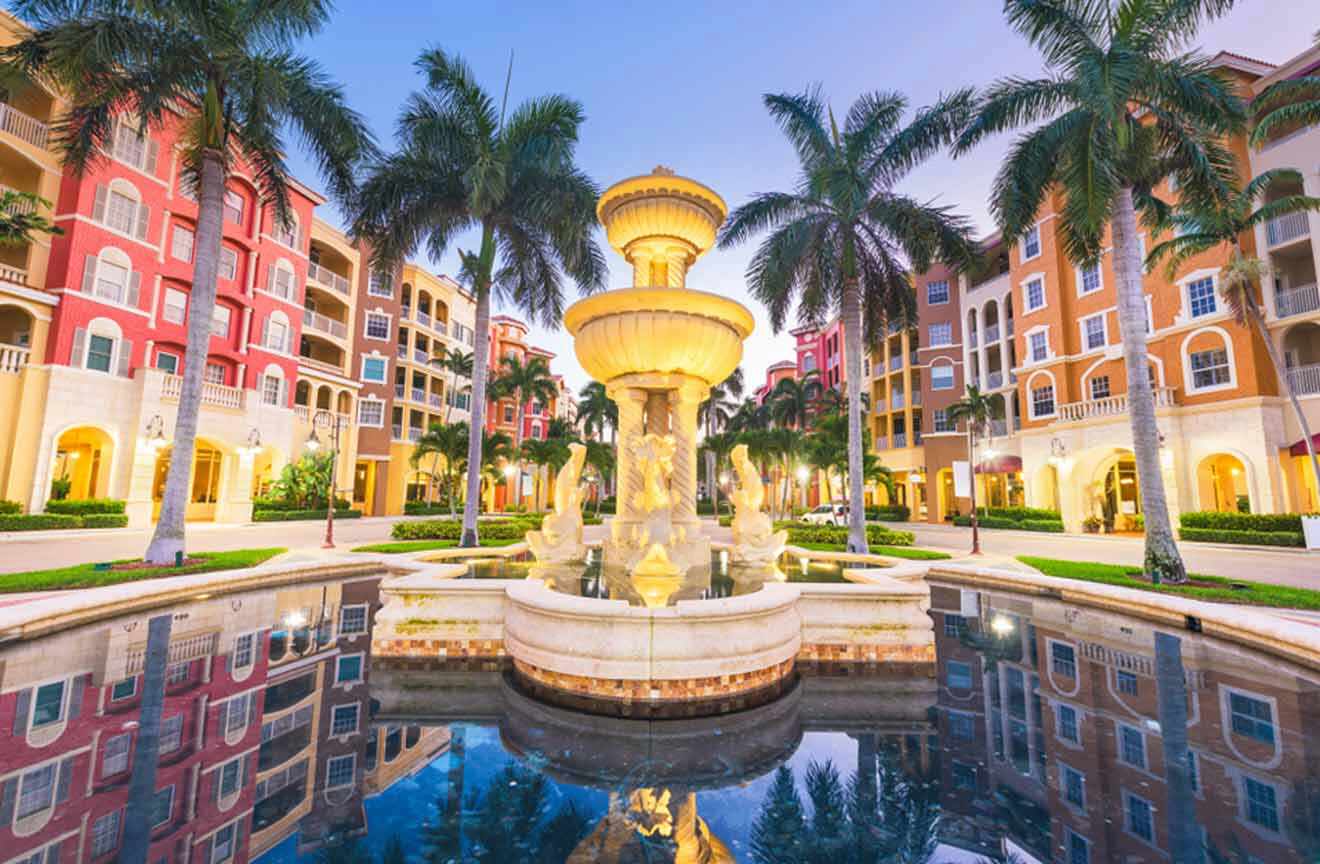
{"points": [[881, 443], [399, 390], [435, 401], [896, 362], [217, 395], [1110, 406], [421, 356], [398, 432], [414, 433], [1296, 301], [900, 440], [916, 398], [998, 428], [1305, 380], [1287, 228], [898, 400], [991, 334], [996, 282], [330, 279], [20, 125], [418, 394], [325, 366], [402, 352], [13, 358], [994, 380], [422, 318], [324, 324], [15, 275]]}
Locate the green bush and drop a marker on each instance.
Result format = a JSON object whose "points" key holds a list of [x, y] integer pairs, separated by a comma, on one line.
{"points": [[421, 508], [452, 529], [1020, 514], [704, 506], [105, 520], [301, 515], [85, 506], [805, 532], [40, 522], [1259, 522], [726, 521], [10, 508], [1050, 526], [1251, 538], [889, 513]]}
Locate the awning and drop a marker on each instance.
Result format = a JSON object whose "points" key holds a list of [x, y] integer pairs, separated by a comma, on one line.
{"points": [[1001, 464], [1299, 449]]}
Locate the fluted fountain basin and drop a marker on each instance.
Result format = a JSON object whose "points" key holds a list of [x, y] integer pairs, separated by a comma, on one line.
{"points": [[658, 330]]}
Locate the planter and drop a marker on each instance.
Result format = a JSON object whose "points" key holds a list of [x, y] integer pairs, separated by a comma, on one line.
{"points": [[1311, 531]]}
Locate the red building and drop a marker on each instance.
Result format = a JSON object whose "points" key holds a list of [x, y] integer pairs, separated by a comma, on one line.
{"points": [[508, 338]]}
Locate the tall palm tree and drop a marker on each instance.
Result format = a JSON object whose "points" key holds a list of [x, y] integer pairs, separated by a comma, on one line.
{"points": [[976, 409], [447, 442], [791, 400], [750, 416], [523, 383], [596, 411], [497, 450], [1122, 110], [462, 163], [1284, 105], [1221, 225], [827, 450], [458, 363], [224, 73], [844, 238], [551, 453], [600, 457], [718, 447], [714, 413]]}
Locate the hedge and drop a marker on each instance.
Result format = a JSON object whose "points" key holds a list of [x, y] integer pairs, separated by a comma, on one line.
{"points": [[421, 508], [1051, 526], [1021, 514], [1257, 522], [105, 520], [452, 529], [273, 505], [1251, 538], [301, 515], [85, 506], [704, 506], [10, 508], [806, 532], [40, 522], [890, 513]]}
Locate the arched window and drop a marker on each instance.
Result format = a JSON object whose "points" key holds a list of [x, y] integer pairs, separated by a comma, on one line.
{"points": [[1041, 395], [118, 206], [101, 347], [1208, 363], [274, 389], [280, 280], [277, 334], [109, 276]]}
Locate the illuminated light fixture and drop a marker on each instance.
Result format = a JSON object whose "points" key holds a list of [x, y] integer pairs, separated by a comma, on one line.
{"points": [[313, 442], [802, 474], [1002, 625], [252, 446], [989, 454], [724, 478], [1236, 472], [1126, 481], [509, 470], [72, 454], [294, 620]]}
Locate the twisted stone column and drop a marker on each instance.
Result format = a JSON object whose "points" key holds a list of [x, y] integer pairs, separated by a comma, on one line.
{"points": [[683, 405], [632, 404]]}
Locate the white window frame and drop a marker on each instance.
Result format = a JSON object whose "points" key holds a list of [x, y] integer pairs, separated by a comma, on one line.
{"points": [[953, 376], [283, 345], [166, 307], [1022, 244], [1150, 805], [1087, 347], [356, 708], [228, 266], [374, 280], [1189, 375], [1031, 397], [95, 836], [362, 668], [215, 856], [385, 370], [378, 314], [210, 377], [335, 761], [132, 691], [251, 650], [50, 791], [1090, 387], [366, 612], [370, 400], [170, 354], [121, 758], [181, 231], [944, 329], [237, 762], [227, 204], [947, 292], [128, 192], [221, 312], [1244, 804], [1026, 284], [169, 810], [1064, 770], [1076, 721], [1080, 272], [1120, 733], [1043, 331]]}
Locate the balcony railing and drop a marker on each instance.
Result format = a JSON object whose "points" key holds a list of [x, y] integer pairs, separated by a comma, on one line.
{"points": [[218, 395], [16, 275], [998, 428], [996, 281], [916, 398], [1110, 405], [18, 208], [308, 360], [896, 362], [435, 401], [402, 352], [991, 333], [399, 390], [882, 443], [900, 440], [414, 433], [328, 278], [13, 358], [421, 356], [324, 324], [1288, 227], [303, 413], [994, 380], [398, 432], [1305, 380], [418, 394], [1297, 301], [423, 318], [30, 129], [898, 400]]}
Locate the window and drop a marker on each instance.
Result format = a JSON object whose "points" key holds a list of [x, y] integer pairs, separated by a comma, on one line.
{"points": [[100, 352], [1039, 345], [941, 376], [175, 308], [1093, 332], [958, 675], [162, 805], [953, 623], [1201, 297], [171, 733], [508, 413], [234, 714], [1210, 368], [942, 421], [1193, 771], [378, 326], [1100, 387], [1079, 848], [233, 207], [1068, 724], [105, 834], [344, 719], [1127, 683], [125, 689], [1132, 746], [37, 791], [339, 771], [940, 334], [287, 234], [281, 282], [272, 389], [380, 285], [231, 776], [214, 373], [1138, 817], [1063, 660], [964, 776], [1262, 806], [244, 650], [130, 145], [222, 844], [374, 369], [1074, 786], [1089, 281], [371, 412], [121, 212], [220, 319], [353, 620], [348, 669], [228, 263], [167, 362], [1031, 244], [111, 281], [177, 673], [181, 246], [1042, 401], [48, 706], [1035, 294], [1251, 717], [937, 292], [961, 726], [277, 334]]}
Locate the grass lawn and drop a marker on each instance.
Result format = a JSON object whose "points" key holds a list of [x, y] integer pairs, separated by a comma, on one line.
{"points": [[1213, 588], [401, 546], [909, 552], [86, 576]]}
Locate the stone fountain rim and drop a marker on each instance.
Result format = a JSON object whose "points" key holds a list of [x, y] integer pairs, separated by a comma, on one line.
{"points": [[688, 301], [655, 185]]}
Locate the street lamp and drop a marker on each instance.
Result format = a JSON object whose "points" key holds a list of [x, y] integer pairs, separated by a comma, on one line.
{"points": [[333, 421]]}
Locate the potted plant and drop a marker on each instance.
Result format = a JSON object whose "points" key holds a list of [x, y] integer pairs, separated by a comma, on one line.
{"points": [[1091, 525]]}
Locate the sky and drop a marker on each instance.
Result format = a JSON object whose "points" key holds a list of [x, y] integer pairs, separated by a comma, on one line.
{"points": [[680, 84]]}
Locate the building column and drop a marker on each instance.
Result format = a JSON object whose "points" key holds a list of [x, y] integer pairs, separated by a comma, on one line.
{"points": [[631, 402], [1311, 186], [641, 262], [982, 373], [684, 402], [1003, 339], [909, 389]]}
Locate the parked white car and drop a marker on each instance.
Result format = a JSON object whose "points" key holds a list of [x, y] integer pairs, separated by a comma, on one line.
{"points": [[827, 514]]}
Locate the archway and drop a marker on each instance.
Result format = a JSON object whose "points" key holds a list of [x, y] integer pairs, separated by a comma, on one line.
{"points": [[948, 502], [82, 464], [204, 486], [1221, 484], [1045, 488], [265, 471], [1115, 494]]}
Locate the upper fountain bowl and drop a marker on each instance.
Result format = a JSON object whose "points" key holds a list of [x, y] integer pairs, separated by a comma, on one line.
{"points": [[649, 215]]}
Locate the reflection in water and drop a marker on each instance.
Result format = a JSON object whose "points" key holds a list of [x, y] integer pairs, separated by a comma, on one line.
{"points": [[1049, 734]]}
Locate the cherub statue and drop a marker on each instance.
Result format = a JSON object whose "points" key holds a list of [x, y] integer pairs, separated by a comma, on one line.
{"points": [[655, 455], [560, 537], [754, 540]]}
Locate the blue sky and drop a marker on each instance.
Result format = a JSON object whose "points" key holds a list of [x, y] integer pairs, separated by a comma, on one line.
{"points": [[680, 83]]}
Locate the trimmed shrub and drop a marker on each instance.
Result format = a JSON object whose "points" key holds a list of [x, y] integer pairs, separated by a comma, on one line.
{"points": [[890, 513], [105, 520], [1020, 514], [10, 508], [40, 522], [805, 532], [1259, 522], [1251, 538], [704, 506], [421, 508], [301, 515], [452, 529], [85, 506], [1050, 526]]}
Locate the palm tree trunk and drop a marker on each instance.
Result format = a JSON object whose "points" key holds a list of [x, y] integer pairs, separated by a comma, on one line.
{"points": [[480, 361], [1163, 562], [452, 486], [168, 540], [852, 339]]}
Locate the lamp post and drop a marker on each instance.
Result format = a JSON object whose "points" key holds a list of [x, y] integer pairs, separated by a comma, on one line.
{"points": [[333, 421]]}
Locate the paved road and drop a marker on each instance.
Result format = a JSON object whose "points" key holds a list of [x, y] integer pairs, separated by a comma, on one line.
{"points": [[60, 549]]}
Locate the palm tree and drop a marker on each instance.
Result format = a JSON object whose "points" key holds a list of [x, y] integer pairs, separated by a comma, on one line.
{"points": [[1284, 105], [751, 416], [717, 447], [977, 409], [226, 74], [447, 441], [596, 411], [21, 218], [1123, 110], [826, 450], [789, 445], [844, 238], [458, 363], [714, 414], [600, 457], [550, 453], [462, 163], [1221, 225], [497, 450], [523, 382], [791, 400]]}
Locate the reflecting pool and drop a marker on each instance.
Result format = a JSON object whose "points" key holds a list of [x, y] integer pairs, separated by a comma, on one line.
{"points": [[256, 726]]}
